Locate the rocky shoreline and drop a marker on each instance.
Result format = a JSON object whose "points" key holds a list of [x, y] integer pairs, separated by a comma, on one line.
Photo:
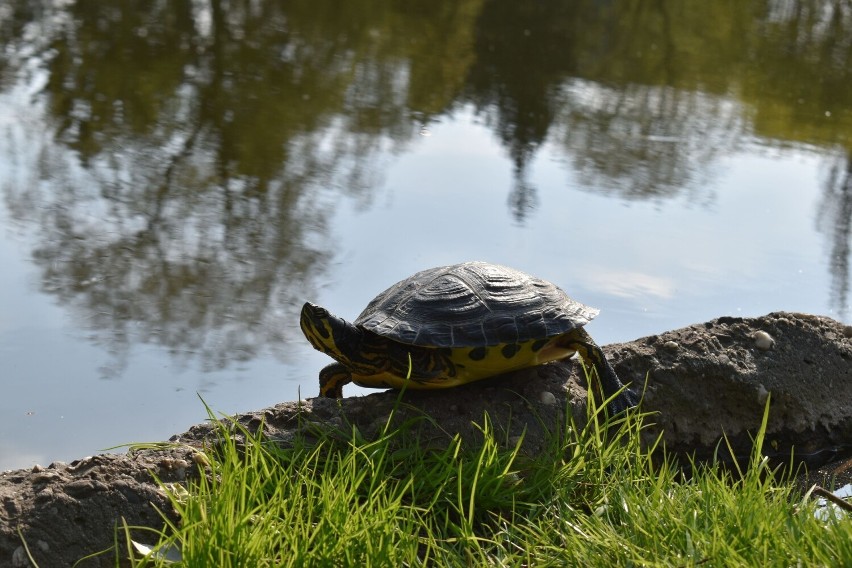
{"points": [[702, 380]]}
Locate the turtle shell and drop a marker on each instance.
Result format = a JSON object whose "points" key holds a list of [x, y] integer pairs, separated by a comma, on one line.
{"points": [[472, 304]]}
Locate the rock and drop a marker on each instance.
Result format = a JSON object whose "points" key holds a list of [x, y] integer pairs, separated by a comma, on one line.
{"points": [[763, 340], [719, 378], [700, 381], [75, 510], [547, 397], [527, 403]]}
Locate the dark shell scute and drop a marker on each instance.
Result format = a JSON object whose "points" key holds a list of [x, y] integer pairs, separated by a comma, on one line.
{"points": [[472, 304], [510, 350], [478, 353]]}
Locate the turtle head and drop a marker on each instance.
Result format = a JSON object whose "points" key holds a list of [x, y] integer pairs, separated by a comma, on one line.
{"points": [[330, 334]]}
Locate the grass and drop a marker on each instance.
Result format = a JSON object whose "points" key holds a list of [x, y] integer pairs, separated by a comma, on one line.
{"points": [[592, 499]]}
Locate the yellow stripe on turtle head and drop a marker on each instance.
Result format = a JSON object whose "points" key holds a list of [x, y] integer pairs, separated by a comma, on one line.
{"points": [[315, 322], [334, 336]]}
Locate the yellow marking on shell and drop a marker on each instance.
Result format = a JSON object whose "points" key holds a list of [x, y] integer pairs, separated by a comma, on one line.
{"points": [[469, 370]]}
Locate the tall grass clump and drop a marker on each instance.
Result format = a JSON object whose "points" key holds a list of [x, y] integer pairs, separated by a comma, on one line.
{"points": [[653, 515], [593, 497]]}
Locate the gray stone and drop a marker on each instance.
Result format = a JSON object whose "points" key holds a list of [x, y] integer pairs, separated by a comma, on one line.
{"points": [[718, 381]]}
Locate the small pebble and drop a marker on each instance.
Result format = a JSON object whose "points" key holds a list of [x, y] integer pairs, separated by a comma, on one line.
{"points": [[847, 331], [176, 467], [671, 345], [200, 459], [19, 558], [762, 394], [763, 340], [547, 397]]}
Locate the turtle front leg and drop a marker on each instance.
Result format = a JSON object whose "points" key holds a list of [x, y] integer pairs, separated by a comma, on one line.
{"points": [[332, 378]]}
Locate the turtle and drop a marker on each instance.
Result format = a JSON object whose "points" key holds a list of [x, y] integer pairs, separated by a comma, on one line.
{"points": [[452, 325]]}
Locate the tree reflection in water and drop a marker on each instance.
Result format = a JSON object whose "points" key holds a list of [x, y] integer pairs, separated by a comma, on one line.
{"points": [[187, 157]]}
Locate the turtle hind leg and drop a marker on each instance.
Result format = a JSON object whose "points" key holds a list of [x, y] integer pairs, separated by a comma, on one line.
{"points": [[609, 382], [332, 378]]}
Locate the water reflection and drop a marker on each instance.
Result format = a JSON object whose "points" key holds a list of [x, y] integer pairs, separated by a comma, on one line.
{"points": [[195, 150], [644, 142], [834, 220]]}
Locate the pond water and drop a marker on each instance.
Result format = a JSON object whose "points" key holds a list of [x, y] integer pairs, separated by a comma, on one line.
{"points": [[177, 178]]}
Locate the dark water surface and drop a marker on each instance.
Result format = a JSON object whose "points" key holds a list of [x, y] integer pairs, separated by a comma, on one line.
{"points": [[178, 177]]}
